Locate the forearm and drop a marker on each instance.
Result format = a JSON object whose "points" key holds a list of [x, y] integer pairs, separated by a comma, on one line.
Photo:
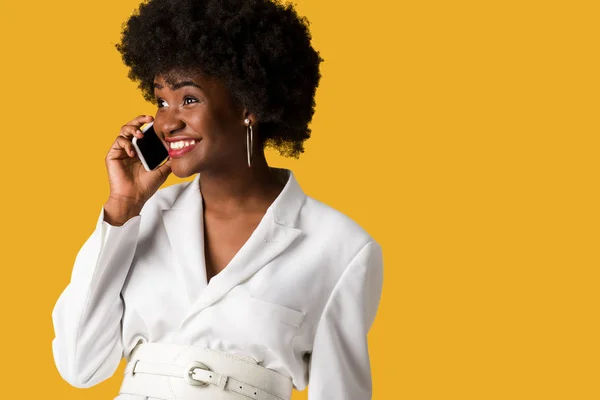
{"points": [[86, 317]]}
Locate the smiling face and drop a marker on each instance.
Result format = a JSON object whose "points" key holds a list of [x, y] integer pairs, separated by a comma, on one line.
{"points": [[202, 125]]}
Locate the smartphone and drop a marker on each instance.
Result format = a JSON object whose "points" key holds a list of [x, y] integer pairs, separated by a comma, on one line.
{"points": [[150, 149]]}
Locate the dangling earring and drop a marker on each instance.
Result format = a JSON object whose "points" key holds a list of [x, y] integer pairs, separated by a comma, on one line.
{"points": [[249, 141]]}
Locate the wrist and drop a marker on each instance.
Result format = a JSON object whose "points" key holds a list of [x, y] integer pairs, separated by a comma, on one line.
{"points": [[117, 211]]}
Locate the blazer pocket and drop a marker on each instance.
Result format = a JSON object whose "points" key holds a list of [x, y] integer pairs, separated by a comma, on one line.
{"points": [[270, 310]]}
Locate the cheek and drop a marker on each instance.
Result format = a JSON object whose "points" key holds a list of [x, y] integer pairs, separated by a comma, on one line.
{"points": [[218, 125], [199, 120]]}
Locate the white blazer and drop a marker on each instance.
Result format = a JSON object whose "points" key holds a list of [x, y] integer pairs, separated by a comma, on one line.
{"points": [[299, 297]]}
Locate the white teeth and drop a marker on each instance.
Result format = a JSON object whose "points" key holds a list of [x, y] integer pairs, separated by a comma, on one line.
{"points": [[181, 144]]}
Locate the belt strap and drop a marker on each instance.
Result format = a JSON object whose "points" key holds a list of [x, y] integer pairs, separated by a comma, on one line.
{"points": [[192, 372]]}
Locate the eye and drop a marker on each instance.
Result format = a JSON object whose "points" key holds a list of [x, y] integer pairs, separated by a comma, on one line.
{"points": [[161, 103], [189, 100]]}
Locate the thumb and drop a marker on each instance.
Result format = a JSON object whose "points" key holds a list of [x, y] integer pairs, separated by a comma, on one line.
{"points": [[165, 169]]}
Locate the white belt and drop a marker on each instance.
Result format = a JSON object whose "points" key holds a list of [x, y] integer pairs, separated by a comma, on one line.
{"points": [[174, 372]]}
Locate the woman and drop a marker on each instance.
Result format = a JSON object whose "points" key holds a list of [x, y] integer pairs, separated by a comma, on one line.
{"points": [[235, 285]]}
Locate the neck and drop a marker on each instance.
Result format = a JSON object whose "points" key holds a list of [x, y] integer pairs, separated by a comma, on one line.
{"points": [[240, 188]]}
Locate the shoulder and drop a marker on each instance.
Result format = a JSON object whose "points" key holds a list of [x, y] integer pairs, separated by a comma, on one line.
{"points": [[326, 217], [341, 234]]}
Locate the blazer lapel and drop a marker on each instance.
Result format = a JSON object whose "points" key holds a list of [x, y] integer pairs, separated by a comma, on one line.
{"points": [[276, 232], [184, 226]]}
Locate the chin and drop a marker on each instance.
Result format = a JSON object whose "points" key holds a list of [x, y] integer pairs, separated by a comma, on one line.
{"points": [[183, 169]]}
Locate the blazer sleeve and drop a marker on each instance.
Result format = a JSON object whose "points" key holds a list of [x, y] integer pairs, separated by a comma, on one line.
{"points": [[87, 346], [339, 366]]}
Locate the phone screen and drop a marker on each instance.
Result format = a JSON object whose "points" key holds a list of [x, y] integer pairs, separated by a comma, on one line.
{"points": [[152, 149]]}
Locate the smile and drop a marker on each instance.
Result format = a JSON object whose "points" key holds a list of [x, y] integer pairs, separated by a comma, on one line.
{"points": [[177, 149], [181, 144]]}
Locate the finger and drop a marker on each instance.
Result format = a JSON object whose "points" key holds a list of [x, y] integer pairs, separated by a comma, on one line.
{"points": [[124, 144], [165, 169], [129, 131], [140, 120]]}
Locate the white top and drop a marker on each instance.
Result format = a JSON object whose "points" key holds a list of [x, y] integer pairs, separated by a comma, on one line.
{"points": [[299, 297]]}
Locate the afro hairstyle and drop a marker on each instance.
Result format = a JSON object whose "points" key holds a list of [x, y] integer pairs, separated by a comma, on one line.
{"points": [[259, 49]]}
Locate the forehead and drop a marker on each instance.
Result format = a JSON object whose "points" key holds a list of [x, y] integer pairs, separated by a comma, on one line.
{"points": [[174, 76]]}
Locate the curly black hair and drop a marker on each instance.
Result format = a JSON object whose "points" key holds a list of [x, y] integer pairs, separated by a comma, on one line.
{"points": [[260, 49]]}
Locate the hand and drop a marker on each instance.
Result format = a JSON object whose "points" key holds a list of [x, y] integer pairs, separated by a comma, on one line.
{"points": [[130, 184]]}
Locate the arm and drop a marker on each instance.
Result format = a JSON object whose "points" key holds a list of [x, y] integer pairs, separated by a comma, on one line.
{"points": [[87, 347], [339, 366]]}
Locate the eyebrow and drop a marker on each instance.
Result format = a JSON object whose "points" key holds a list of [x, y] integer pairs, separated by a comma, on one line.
{"points": [[180, 85]]}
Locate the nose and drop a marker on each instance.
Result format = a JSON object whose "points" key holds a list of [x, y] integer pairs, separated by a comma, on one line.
{"points": [[168, 122]]}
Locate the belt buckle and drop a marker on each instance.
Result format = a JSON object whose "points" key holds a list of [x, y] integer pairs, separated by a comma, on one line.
{"points": [[189, 371]]}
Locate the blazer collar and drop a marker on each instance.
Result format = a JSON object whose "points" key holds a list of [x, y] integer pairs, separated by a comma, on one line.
{"points": [[184, 224], [284, 209]]}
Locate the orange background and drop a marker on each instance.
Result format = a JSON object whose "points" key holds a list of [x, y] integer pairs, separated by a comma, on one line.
{"points": [[462, 135]]}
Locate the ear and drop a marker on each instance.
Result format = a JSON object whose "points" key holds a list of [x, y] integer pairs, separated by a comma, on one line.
{"points": [[249, 115]]}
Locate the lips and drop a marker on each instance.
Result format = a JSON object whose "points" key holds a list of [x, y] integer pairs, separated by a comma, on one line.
{"points": [[179, 148]]}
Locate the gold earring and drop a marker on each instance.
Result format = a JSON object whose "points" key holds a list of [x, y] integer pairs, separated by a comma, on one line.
{"points": [[249, 141]]}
